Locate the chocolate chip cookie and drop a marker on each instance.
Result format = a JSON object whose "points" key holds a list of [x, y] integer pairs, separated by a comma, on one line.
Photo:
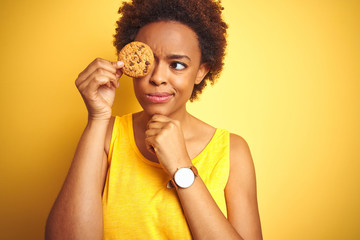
{"points": [[138, 58]]}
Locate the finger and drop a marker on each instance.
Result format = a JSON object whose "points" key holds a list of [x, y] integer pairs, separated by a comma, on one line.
{"points": [[160, 118], [157, 118], [97, 82], [149, 145], [98, 63], [94, 82], [119, 73], [165, 121], [100, 75], [97, 72], [155, 125], [152, 132], [118, 65]]}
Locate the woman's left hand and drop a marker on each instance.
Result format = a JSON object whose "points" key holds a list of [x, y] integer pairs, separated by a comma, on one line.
{"points": [[164, 137]]}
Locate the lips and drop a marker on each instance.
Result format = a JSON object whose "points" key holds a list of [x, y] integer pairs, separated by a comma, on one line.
{"points": [[159, 97]]}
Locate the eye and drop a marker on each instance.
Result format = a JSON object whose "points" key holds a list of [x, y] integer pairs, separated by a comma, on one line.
{"points": [[178, 65]]}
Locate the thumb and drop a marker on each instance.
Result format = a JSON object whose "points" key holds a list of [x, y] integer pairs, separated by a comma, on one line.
{"points": [[118, 65]]}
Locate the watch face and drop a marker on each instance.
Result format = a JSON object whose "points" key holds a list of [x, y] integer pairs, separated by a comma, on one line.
{"points": [[184, 177]]}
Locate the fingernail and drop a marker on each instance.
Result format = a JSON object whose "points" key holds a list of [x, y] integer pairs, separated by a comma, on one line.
{"points": [[120, 63]]}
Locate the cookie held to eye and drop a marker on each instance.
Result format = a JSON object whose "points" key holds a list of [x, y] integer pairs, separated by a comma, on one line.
{"points": [[138, 59]]}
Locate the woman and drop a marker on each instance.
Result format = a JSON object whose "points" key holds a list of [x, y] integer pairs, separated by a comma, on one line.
{"points": [[119, 183]]}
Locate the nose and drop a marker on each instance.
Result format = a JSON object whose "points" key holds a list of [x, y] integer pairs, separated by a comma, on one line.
{"points": [[158, 75]]}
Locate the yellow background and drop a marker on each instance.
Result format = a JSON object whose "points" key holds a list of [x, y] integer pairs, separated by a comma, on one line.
{"points": [[291, 88]]}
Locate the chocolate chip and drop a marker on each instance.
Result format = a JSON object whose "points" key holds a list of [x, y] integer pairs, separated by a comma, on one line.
{"points": [[132, 64], [145, 70], [147, 63]]}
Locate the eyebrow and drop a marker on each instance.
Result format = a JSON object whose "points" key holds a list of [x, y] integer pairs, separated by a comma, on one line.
{"points": [[178, 56]]}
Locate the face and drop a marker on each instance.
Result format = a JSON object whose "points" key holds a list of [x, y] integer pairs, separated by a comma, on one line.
{"points": [[167, 88]]}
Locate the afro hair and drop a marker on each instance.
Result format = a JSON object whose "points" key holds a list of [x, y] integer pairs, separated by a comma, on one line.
{"points": [[202, 16]]}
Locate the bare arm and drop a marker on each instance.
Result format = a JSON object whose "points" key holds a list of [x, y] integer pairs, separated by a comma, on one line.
{"points": [[240, 191], [78, 207], [205, 219], [77, 211]]}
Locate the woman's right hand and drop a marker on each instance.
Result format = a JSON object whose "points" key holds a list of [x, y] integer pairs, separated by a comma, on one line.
{"points": [[97, 84]]}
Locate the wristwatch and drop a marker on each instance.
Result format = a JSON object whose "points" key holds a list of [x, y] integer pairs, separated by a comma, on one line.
{"points": [[183, 178]]}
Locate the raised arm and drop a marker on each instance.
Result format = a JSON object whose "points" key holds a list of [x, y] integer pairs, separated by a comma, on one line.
{"points": [[77, 211]]}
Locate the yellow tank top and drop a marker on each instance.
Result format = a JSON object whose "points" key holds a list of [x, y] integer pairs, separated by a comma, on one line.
{"points": [[136, 202]]}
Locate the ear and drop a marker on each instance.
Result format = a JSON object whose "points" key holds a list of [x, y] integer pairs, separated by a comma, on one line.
{"points": [[203, 70]]}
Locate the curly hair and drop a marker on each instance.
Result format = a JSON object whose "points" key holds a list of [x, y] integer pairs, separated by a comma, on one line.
{"points": [[202, 16]]}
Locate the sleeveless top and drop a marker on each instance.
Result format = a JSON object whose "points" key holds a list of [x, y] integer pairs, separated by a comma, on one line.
{"points": [[136, 202]]}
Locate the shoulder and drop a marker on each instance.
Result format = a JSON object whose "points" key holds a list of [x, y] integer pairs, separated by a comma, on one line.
{"points": [[237, 142], [238, 147], [241, 162]]}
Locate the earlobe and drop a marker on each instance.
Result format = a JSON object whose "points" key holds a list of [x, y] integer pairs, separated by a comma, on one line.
{"points": [[203, 70]]}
